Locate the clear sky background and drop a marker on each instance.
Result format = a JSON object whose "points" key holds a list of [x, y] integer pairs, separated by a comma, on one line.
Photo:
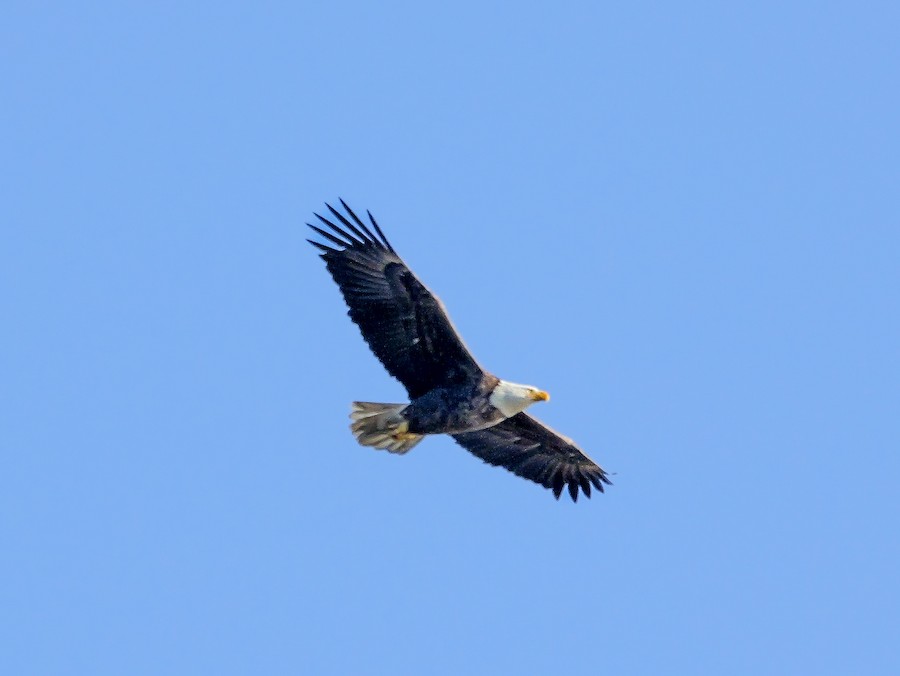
{"points": [[681, 219]]}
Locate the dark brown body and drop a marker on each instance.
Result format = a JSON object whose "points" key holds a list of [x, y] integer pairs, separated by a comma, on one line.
{"points": [[450, 410]]}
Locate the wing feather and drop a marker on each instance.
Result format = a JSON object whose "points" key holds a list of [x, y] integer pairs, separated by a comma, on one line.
{"points": [[364, 238], [533, 451], [405, 325]]}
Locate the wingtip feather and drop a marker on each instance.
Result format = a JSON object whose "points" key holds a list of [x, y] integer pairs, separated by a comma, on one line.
{"points": [[320, 246], [366, 236], [362, 225], [585, 485], [378, 230], [558, 485], [352, 241]]}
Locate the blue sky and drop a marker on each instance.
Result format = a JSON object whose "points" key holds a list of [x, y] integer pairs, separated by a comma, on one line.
{"points": [[681, 219]]}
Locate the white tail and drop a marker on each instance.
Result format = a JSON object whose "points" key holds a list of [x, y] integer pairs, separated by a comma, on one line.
{"points": [[382, 426]]}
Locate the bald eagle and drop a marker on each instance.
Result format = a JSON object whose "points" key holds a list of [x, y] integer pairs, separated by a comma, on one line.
{"points": [[408, 329]]}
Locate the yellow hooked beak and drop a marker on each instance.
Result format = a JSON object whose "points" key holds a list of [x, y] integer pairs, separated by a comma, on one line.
{"points": [[540, 395]]}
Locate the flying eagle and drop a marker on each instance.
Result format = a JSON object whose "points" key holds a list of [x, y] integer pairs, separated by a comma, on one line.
{"points": [[409, 331]]}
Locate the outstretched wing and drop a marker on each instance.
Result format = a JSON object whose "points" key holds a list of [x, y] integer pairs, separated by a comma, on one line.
{"points": [[404, 324], [532, 450]]}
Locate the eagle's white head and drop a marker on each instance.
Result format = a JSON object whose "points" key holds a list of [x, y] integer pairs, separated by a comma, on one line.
{"points": [[512, 398]]}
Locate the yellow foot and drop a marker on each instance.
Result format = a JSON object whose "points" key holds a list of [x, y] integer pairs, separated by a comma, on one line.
{"points": [[402, 433]]}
